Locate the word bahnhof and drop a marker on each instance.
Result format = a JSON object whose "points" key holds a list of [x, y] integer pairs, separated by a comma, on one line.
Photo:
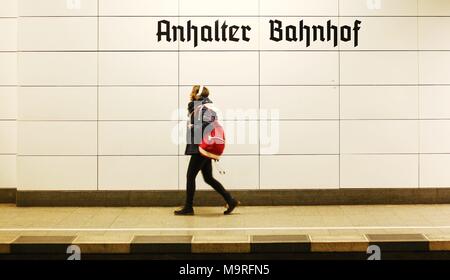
{"points": [[222, 32]]}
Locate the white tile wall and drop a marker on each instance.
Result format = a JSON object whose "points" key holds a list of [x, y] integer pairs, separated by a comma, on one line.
{"points": [[138, 68], [8, 69], [299, 172], [57, 173], [367, 111], [138, 173], [57, 103], [219, 68], [138, 7], [434, 171], [8, 103], [378, 8], [379, 171], [57, 138], [58, 33], [434, 67], [8, 93], [132, 33], [430, 35], [218, 7], [383, 33], [57, 8], [9, 8], [8, 137], [300, 102], [305, 137], [434, 8], [138, 103], [378, 68], [299, 7], [434, 102], [360, 137], [8, 33], [137, 138], [8, 176], [305, 68], [435, 136], [379, 102], [61, 68]]}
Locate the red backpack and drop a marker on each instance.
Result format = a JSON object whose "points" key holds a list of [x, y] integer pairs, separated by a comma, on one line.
{"points": [[213, 142]]}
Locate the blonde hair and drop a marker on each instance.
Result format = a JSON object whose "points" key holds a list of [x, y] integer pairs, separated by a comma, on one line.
{"points": [[195, 93], [205, 92]]}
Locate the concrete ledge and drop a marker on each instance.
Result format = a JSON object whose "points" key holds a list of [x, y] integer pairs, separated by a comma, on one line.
{"points": [[221, 244], [439, 242], [7, 195], [5, 243], [161, 244], [280, 243], [99, 244], [248, 197], [399, 242], [339, 243], [41, 244], [303, 246]]}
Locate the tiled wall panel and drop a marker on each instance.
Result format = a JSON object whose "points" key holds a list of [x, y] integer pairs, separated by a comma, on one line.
{"points": [[138, 7], [138, 68], [101, 104], [57, 103], [299, 172], [378, 8], [379, 171], [379, 102], [58, 33], [8, 94], [58, 68], [57, 138], [138, 173], [57, 173], [41, 8], [434, 170]]}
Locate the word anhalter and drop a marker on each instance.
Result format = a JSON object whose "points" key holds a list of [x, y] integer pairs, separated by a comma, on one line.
{"points": [[222, 32]]}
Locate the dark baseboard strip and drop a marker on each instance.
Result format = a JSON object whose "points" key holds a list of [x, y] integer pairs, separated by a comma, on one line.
{"points": [[247, 197], [7, 195]]}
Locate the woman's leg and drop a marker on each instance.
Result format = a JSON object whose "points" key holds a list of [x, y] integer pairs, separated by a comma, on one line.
{"points": [[216, 185], [195, 165]]}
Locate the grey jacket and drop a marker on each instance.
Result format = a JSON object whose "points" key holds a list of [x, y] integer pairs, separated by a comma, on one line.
{"points": [[197, 124]]}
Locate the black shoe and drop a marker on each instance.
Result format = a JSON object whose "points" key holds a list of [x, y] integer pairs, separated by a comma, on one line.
{"points": [[185, 211], [231, 206]]}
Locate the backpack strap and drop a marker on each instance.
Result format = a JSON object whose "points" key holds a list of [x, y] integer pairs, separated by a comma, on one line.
{"points": [[199, 111]]}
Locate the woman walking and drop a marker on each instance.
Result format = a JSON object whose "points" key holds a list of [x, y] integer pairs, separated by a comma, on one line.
{"points": [[200, 117]]}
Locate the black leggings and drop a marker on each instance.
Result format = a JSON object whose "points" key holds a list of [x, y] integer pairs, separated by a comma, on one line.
{"points": [[197, 163]]}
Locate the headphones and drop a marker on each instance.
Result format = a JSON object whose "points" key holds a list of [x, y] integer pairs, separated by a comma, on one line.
{"points": [[199, 94]]}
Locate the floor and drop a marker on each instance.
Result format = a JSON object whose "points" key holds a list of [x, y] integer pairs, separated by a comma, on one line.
{"points": [[118, 223]]}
